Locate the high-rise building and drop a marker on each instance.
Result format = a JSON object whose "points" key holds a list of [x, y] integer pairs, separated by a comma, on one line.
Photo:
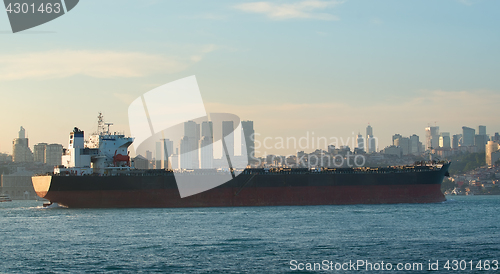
{"points": [[158, 154], [480, 142], [468, 135], [481, 130], [360, 142], [431, 137], [48, 154], [174, 161], [492, 152], [168, 148], [228, 135], [481, 138], [404, 144], [395, 137], [444, 140], [206, 151], [248, 136], [207, 129], [456, 141], [53, 154], [39, 152], [371, 144], [415, 144], [496, 137], [192, 132], [369, 131], [185, 157], [167, 151], [21, 153], [149, 155], [371, 141]]}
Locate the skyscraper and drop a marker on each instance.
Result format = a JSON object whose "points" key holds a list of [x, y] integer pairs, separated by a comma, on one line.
{"points": [[185, 156], [228, 135], [404, 144], [444, 140], [360, 142], [492, 152], [415, 144], [482, 130], [247, 136], [456, 140], [206, 152], [207, 129], [21, 153], [39, 152], [158, 154], [192, 132], [369, 131], [53, 154], [395, 137], [168, 149], [371, 142], [481, 138], [468, 135], [431, 137], [48, 154], [480, 142]]}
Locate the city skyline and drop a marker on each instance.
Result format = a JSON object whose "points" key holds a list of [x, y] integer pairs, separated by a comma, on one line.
{"points": [[329, 67], [197, 135]]}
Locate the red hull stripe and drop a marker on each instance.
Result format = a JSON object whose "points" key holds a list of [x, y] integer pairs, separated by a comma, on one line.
{"points": [[268, 196]]}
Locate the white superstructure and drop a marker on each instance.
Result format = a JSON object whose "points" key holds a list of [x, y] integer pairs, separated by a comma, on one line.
{"points": [[103, 153]]}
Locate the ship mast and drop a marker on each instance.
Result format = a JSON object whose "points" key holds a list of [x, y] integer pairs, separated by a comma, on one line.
{"points": [[100, 124], [102, 127]]}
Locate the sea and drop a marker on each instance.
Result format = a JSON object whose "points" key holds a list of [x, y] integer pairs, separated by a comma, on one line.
{"points": [[461, 235]]}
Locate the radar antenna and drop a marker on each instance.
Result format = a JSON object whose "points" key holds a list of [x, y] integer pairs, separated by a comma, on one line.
{"points": [[108, 124]]}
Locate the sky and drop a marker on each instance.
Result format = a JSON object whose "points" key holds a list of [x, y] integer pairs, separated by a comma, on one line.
{"points": [[323, 68]]}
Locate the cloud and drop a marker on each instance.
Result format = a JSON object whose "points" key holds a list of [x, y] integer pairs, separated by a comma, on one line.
{"points": [[303, 9], [124, 97], [204, 50], [98, 64]]}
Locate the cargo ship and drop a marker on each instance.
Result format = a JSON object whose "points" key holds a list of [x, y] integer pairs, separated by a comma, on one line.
{"points": [[98, 174]]}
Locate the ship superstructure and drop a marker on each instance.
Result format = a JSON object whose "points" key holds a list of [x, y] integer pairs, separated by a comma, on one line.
{"points": [[104, 153]]}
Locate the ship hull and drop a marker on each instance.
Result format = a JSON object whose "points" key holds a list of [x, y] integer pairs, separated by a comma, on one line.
{"points": [[245, 190]]}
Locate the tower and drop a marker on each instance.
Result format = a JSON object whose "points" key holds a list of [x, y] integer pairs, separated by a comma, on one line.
{"points": [[21, 153], [228, 135], [371, 142], [431, 137], [468, 136], [360, 142], [248, 135], [186, 159], [192, 132], [206, 151]]}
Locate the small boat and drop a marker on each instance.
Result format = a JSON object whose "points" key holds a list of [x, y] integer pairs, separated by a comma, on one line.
{"points": [[5, 198]]}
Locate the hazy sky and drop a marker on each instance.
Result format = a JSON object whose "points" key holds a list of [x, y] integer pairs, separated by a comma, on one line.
{"points": [[328, 67]]}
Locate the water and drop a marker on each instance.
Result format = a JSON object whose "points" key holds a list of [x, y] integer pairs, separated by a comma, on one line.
{"points": [[247, 240]]}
